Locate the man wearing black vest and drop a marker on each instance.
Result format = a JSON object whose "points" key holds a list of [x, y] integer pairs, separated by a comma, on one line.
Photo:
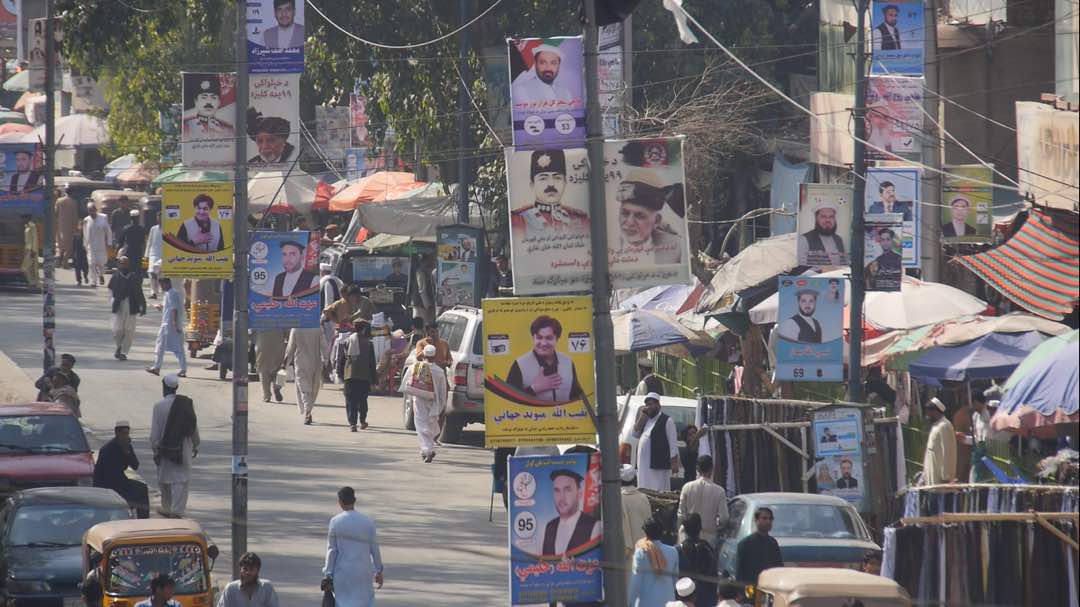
{"points": [[658, 448], [887, 35], [803, 327], [572, 528], [822, 245]]}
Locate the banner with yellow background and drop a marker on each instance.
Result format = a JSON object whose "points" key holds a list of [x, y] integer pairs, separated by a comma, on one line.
{"points": [[196, 229]]}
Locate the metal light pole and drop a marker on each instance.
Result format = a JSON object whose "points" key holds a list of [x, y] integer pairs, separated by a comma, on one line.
{"points": [[464, 14], [48, 311], [858, 287], [240, 304], [607, 417]]}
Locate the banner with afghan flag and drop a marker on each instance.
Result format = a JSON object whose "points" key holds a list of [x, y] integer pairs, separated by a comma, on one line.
{"points": [[197, 229]]}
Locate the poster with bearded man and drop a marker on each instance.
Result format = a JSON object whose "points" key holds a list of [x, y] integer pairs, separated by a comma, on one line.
{"points": [[824, 224], [208, 131], [547, 91], [273, 120]]}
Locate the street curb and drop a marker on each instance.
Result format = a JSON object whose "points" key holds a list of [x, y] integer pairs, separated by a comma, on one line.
{"points": [[15, 385]]}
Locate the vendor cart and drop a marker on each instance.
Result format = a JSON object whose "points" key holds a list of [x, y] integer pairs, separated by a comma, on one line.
{"points": [[204, 314]]}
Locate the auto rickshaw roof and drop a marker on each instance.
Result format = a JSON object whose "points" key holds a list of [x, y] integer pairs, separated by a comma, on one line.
{"points": [[140, 529], [812, 582], [107, 196]]}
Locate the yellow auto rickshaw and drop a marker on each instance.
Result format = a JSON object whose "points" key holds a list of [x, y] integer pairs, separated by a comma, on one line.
{"points": [[818, 587], [124, 556], [204, 314]]}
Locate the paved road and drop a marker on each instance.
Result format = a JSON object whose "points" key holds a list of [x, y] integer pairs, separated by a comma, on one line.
{"points": [[437, 543]]}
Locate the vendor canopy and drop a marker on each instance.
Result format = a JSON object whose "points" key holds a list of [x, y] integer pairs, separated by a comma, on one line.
{"points": [[1044, 389], [990, 356], [1038, 267]]}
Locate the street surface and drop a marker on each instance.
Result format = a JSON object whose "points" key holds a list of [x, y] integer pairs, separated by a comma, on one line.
{"points": [[437, 544]]}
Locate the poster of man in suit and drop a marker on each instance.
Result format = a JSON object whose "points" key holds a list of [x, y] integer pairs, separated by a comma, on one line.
{"points": [[275, 36], [896, 190], [897, 36], [22, 179], [284, 280]]}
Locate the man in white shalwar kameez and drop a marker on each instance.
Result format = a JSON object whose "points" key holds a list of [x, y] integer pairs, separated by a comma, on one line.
{"points": [[426, 411], [939, 460], [330, 288], [96, 238], [353, 560], [153, 259], [658, 447], [171, 334], [305, 352], [539, 84], [173, 477]]}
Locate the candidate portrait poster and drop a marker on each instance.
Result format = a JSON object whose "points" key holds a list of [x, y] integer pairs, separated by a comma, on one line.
{"points": [[358, 120], [838, 448], [197, 229], [22, 185], [645, 212], [810, 329], [538, 371], [283, 279], [273, 120], [882, 253], [332, 130], [460, 255], [897, 37], [968, 212], [550, 565], [824, 224], [894, 117], [548, 194], [896, 190], [275, 32], [208, 122], [547, 91]]}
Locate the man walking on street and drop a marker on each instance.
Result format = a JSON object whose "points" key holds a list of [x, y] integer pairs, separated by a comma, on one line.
{"points": [[269, 358], [359, 374], [171, 334], [128, 304], [250, 590], [67, 219], [330, 287], [133, 242], [162, 590], [96, 238], [759, 550], [305, 352], [353, 560], [153, 258], [174, 436], [707, 499], [30, 267], [426, 410], [114, 458]]}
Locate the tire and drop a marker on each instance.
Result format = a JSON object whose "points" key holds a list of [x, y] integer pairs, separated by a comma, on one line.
{"points": [[452, 429], [407, 413]]}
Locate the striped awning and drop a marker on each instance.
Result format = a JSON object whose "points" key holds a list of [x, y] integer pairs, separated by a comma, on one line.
{"points": [[1038, 268]]}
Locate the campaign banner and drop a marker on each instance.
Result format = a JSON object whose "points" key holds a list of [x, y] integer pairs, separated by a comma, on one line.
{"points": [[37, 51], [355, 163], [538, 366], [555, 529], [547, 91], [646, 212], [810, 328], [275, 33], [1047, 153], [273, 120], [208, 122], [968, 216], [358, 120], [824, 223], [197, 229], [894, 117], [882, 256], [838, 449], [460, 259], [283, 274], [332, 130], [548, 193], [23, 181], [897, 190], [377, 270], [897, 37]]}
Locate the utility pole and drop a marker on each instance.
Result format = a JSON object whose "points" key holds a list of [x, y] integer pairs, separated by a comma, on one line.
{"points": [[48, 311], [933, 153], [240, 304], [607, 418], [464, 14], [858, 286]]}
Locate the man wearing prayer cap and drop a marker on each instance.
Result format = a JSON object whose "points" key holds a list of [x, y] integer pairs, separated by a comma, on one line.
{"points": [[658, 447], [822, 246], [537, 85], [174, 437], [271, 137], [803, 327], [939, 459], [546, 215], [113, 459], [294, 279], [572, 528], [426, 411], [649, 381], [202, 94], [641, 197], [635, 511], [684, 591]]}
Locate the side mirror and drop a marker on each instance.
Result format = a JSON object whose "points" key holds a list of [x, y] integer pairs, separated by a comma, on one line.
{"points": [[212, 552]]}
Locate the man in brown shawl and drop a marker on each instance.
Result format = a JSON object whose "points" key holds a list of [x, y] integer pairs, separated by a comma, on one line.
{"points": [[174, 436]]}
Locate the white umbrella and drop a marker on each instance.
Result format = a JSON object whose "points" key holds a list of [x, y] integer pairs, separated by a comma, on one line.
{"points": [[760, 261], [77, 130], [917, 304], [638, 330], [265, 188]]}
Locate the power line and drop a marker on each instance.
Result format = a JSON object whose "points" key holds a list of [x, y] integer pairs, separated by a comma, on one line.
{"points": [[403, 46]]}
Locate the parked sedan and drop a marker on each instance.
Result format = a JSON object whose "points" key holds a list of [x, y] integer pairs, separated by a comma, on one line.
{"points": [[41, 550], [812, 530], [42, 445]]}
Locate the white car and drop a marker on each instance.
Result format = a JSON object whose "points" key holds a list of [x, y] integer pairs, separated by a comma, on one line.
{"points": [[682, 410]]}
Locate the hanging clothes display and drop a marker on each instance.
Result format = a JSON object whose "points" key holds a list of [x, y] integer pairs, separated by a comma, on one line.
{"points": [[931, 501]]}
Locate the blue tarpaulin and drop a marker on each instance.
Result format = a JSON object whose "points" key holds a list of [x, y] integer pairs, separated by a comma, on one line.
{"points": [[1048, 384], [992, 355]]}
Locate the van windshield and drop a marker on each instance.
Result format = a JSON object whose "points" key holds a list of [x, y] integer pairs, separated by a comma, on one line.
{"points": [[131, 568]]}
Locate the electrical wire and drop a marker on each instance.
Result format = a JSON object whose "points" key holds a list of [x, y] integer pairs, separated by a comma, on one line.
{"points": [[404, 46]]}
